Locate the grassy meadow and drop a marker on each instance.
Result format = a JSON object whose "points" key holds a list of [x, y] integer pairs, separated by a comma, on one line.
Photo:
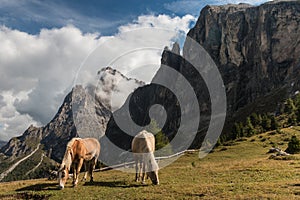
{"points": [[236, 170]]}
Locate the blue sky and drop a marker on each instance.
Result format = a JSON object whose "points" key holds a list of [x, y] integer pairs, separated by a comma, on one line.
{"points": [[103, 16], [43, 44], [90, 16]]}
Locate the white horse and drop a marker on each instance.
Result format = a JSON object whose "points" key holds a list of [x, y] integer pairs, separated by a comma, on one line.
{"points": [[143, 146], [78, 150]]}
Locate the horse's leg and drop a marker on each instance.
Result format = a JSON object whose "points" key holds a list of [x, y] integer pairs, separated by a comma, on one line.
{"points": [[143, 171], [136, 170], [85, 170], [78, 170], [91, 169], [74, 172]]}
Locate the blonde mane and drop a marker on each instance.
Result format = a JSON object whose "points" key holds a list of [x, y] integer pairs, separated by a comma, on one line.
{"points": [[67, 160], [71, 142]]}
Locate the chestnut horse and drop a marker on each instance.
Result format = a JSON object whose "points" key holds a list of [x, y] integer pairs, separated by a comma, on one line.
{"points": [[78, 151], [143, 146]]}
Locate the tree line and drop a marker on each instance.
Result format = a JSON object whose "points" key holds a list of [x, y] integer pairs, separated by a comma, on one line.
{"points": [[287, 115]]}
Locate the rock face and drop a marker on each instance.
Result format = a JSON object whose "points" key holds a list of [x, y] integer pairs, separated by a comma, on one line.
{"points": [[256, 50], [84, 113]]}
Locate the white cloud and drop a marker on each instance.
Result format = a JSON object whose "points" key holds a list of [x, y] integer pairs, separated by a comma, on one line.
{"points": [[37, 71], [13, 123]]}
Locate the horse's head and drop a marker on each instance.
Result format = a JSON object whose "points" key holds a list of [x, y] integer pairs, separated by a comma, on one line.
{"points": [[63, 175], [153, 175]]}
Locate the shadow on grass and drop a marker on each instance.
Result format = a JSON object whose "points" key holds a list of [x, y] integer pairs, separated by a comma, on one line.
{"points": [[39, 187], [25, 195], [296, 185], [120, 184]]}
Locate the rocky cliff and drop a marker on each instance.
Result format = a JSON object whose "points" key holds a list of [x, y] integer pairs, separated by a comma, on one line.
{"points": [[256, 50]]}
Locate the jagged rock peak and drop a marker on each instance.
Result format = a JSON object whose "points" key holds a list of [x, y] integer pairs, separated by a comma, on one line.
{"points": [[176, 48], [114, 87], [114, 72]]}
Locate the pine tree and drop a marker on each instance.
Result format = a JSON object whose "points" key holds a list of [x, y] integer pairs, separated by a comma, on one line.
{"points": [[161, 140], [297, 100], [255, 119], [249, 127], [237, 131], [292, 120], [274, 123], [266, 122], [298, 115], [290, 106]]}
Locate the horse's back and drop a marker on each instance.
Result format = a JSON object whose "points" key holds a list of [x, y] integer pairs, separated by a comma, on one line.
{"points": [[92, 146], [143, 142]]}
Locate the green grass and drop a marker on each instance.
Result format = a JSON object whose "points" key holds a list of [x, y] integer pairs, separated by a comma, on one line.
{"points": [[241, 170]]}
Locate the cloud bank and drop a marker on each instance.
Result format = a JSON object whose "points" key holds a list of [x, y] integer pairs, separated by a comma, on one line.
{"points": [[37, 71]]}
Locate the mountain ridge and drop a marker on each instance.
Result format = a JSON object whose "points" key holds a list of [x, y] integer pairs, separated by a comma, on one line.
{"points": [[83, 113]]}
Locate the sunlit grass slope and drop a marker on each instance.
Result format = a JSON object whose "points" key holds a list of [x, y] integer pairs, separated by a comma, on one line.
{"points": [[237, 170]]}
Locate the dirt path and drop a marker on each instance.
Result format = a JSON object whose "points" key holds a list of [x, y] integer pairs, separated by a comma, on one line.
{"points": [[32, 170], [4, 174]]}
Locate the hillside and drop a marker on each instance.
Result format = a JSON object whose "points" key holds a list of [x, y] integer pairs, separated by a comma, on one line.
{"points": [[238, 170]]}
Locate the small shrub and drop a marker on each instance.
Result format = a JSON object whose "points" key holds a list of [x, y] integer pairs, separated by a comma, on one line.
{"points": [[273, 133], [293, 145], [263, 139], [223, 149], [194, 164]]}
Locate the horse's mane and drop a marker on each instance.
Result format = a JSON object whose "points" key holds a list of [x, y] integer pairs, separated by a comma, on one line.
{"points": [[71, 142], [67, 160]]}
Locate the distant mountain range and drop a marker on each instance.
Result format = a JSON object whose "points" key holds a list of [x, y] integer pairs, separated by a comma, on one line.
{"points": [[256, 50], [84, 111]]}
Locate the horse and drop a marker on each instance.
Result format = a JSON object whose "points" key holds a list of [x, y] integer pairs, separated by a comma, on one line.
{"points": [[143, 146], [78, 151]]}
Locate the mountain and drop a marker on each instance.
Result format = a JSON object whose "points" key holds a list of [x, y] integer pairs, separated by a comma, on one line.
{"points": [[2, 143], [84, 112], [257, 52]]}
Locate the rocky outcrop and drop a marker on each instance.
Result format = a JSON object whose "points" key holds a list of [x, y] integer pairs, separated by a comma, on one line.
{"points": [[256, 50]]}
